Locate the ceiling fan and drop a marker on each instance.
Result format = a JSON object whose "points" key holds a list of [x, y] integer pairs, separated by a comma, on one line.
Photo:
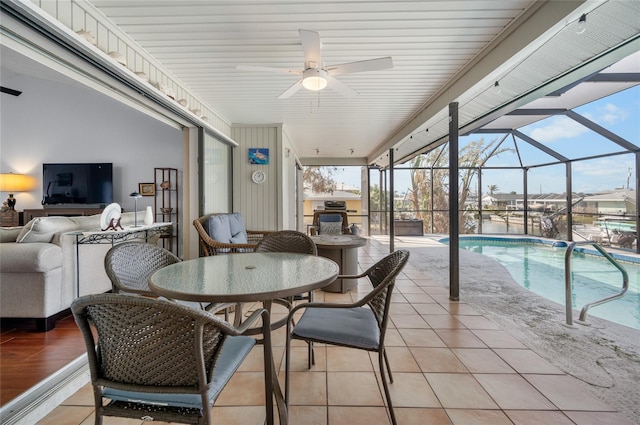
{"points": [[315, 75]]}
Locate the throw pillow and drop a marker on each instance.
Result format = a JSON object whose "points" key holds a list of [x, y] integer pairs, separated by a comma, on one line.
{"points": [[42, 229], [238, 231], [218, 228], [9, 234], [331, 228]]}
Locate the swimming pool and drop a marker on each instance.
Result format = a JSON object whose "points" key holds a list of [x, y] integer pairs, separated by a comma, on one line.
{"points": [[539, 267]]}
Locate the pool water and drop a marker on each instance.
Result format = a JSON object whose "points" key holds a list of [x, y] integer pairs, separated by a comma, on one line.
{"points": [[539, 267]]}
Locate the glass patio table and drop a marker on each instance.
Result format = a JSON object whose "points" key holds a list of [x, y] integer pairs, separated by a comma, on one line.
{"points": [[250, 277]]}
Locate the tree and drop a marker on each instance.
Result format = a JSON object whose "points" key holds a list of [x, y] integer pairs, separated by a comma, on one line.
{"points": [[493, 188], [319, 179], [430, 181]]}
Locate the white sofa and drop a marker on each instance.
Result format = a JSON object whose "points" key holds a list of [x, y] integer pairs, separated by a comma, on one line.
{"points": [[42, 269]]}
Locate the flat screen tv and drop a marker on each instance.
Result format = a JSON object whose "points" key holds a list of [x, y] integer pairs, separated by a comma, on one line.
{"points": [[77, 184]]}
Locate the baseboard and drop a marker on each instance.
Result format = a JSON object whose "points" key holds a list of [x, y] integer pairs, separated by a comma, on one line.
{"points": [[38, 401]]}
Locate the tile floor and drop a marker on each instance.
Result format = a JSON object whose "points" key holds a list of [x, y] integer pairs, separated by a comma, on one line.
{"points": [[450, 366]]}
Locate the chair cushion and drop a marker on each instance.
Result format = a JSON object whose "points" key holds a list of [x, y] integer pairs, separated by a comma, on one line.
{"points": [[234, 351], [218, 228], [238, 231], [331, 228], [330, 218], [353, 327]]}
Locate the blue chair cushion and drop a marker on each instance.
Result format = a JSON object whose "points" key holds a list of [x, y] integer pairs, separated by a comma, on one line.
{"points": [[330, 218], [354, 327], [218, 228], [238, 231], [234, 351]]}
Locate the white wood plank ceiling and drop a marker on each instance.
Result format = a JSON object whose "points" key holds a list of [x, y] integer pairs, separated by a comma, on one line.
{"points": [[442, 51]]}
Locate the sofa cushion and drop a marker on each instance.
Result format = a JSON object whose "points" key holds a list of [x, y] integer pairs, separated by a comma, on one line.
{"points": [[9, 234], [238, 231], [42, 229], [218, 228], [36, 257]]}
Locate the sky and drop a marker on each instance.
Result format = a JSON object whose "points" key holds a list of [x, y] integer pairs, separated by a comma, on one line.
{"points": [[618, 113]]}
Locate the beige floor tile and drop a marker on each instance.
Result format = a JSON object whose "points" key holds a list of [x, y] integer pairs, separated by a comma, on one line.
{"points": [[599, 418], [394, 339], [412, 390], [421, 338], [117, 421], [244, 389], [526, 361], [342, 359], [343, 415], [437, 360], [409, 289], [239, 415], [443, 321], [353, 389], [400, 308], [482, 360], [308, 415], [69, 415], [513, 392], [400, 358], [299, 359], [308, 388], [478, 417], [498, 339], [567, 392], [431, 308], [460, 308], [459, 391], [477, 322], [459, 338], [421, 416], [409, 321], [537, 417], [435, 288], [419, 298], [82, 397]]}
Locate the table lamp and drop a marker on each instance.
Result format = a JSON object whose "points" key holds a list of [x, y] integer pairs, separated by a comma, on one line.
{"points": [[135, 196], [12, 183]]}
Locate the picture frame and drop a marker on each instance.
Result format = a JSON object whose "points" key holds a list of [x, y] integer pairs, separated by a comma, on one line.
{"points": [[259, 156], [147, 189]]}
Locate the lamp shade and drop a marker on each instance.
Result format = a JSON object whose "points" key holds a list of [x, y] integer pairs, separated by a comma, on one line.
{"points": [[12, 182]]}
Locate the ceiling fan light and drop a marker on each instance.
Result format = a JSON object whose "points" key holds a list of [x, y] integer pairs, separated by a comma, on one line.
{"points": [[314, 79]]}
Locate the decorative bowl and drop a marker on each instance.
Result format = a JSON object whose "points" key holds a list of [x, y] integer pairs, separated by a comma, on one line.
{"points": [[166, 210]]}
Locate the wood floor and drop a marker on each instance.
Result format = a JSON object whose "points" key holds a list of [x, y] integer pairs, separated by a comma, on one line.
{"points": [[27, 356]]}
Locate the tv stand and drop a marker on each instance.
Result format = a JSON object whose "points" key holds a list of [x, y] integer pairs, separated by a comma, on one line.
{"points": [[66, 212]]}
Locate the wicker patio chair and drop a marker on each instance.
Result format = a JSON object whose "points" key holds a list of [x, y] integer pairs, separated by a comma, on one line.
{"points": [[288, 241], [361, 325], [212, 247], [157, 360], [339, 217], [129, 266]]}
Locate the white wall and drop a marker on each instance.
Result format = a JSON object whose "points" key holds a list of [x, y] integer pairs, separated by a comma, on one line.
{"points": [[58, 122]]}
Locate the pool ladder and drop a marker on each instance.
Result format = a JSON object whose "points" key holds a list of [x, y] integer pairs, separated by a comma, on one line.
{"points": [[568, 281]]}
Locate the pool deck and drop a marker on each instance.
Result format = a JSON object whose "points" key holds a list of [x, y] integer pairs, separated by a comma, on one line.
{"points": [[604, 355]]}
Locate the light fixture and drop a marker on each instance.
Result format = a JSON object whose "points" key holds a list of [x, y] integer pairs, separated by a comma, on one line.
{"points": [[135, 196], [314, 79], [12, 183], [581, 26]]}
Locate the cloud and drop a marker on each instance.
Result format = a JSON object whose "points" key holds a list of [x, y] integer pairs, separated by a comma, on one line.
{"points": [[558, 128], [611, 114]]}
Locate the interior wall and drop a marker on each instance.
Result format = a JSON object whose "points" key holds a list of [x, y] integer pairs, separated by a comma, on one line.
{"points": [[57, 122]]}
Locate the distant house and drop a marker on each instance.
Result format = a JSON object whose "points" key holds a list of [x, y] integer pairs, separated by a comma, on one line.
{"points": [[315, 201], [617, 202]]}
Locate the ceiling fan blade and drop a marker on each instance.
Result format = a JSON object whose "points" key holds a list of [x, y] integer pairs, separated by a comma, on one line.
{"points": [[361, 66], [10, 91], [339, 87], [311, 46], [291, 90], [268, 69]]}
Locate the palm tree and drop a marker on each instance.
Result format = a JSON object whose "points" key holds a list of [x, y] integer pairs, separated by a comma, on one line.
{"points": [[493, 188]]}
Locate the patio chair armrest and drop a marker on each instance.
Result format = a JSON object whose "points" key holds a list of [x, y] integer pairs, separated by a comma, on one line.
{"points": [[246, 324]]}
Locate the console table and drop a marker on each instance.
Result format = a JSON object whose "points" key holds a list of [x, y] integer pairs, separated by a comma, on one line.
{"points": [[66, 212], [113, 237]]}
